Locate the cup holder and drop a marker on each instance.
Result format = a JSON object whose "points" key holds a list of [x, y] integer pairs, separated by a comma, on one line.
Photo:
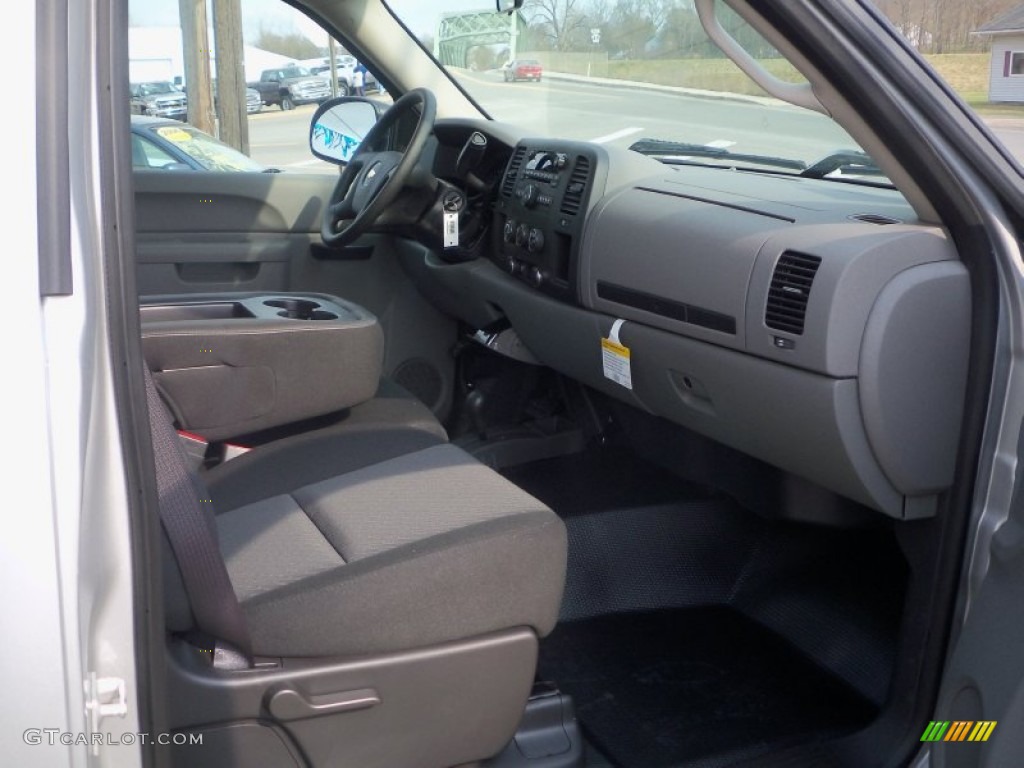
{"points": [[300, 309]]}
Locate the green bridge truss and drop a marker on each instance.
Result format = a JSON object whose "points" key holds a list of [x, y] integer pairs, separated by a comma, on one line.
{"points": [[477, 39]]}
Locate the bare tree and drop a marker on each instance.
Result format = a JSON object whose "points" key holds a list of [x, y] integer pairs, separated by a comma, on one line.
{"points": [[658, 11], [944, 26], [683, 36], [599, 13], [563, 21], [291, 43], [632, 28]]}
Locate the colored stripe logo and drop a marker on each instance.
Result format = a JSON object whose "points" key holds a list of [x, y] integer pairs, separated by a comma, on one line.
{"points": [[959, 730]]}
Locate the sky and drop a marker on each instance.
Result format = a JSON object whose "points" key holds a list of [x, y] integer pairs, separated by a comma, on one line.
{"points": [[419, 15], [272, 14]]}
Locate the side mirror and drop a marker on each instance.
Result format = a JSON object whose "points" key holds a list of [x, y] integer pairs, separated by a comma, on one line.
{"points": [[338, 128], [507, 6]]}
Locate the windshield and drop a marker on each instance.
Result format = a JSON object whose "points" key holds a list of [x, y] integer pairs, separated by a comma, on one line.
{"points": [[640, 75], [210, 153], [295, 72]]}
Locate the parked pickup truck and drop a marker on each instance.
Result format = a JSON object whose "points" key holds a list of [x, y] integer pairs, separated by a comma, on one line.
{"points": [[290, 86], [345, 69], [159, 99]]}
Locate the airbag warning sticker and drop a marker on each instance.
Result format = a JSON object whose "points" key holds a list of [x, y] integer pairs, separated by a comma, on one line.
{"points": [[615, 358]]}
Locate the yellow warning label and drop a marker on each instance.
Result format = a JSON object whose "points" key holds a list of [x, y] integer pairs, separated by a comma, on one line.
{"points": [[615, 349], [615, 359]]}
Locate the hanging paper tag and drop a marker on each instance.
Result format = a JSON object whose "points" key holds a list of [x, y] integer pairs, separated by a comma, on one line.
{"points": [[615, 358], [451, 230]]}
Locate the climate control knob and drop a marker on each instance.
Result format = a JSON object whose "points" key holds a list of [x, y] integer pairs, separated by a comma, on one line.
{"points": [[512, 265], [535, 276], [528, 195], [509, 231], [535, 241], [522, 235]]}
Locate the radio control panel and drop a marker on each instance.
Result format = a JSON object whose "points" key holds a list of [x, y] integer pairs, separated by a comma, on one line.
{"points": [[541, 208]]}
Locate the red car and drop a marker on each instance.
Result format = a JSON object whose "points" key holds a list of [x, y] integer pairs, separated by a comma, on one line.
{"points": [[523, 69]]}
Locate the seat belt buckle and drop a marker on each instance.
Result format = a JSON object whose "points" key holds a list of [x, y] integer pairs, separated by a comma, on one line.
{"points": [[196, 448], [202, 454], [232, 451]]}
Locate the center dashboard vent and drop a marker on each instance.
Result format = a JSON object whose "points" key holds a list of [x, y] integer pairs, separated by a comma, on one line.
{"points": [[576, 187], [508, 185], [789, 292]]}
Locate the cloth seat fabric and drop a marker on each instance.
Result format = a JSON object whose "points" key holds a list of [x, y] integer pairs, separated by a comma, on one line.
{"points": [[392, 423], [424, 548], [364, 540]]}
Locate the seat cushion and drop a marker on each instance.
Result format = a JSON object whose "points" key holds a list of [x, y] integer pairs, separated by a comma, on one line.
{"points": [[419, 549], [390, 424], [394, 407]]}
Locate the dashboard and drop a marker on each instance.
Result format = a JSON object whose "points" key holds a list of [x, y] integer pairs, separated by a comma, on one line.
{"points": [[812, 323]]}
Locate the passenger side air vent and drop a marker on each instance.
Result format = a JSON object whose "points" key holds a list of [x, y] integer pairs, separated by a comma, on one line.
{"points": [[576, 187], [789, 292], [508, 185]]}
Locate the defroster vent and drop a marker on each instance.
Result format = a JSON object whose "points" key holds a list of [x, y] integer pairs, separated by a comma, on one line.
{"points": [[577, 186], [508, 184], [789, 292]]}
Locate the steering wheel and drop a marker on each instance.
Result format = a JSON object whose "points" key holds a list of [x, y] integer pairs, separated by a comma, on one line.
{"points": [[372, 179]]}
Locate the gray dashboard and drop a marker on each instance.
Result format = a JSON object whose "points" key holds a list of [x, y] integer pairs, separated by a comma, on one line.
{"points": [[814, 324]]}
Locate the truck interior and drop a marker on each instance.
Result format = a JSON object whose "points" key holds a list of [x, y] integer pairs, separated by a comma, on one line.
{"points": [[664, 461]]}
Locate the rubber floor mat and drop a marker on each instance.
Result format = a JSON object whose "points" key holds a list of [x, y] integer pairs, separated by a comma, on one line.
{"points": [[689, 687]]}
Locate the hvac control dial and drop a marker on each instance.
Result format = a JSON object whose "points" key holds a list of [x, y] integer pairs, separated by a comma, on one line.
{"points": [[535, 241], [528, 195]]}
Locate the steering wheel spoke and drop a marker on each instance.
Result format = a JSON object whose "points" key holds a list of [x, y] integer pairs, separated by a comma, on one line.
{"points": [[341, 210], [373, 178]]}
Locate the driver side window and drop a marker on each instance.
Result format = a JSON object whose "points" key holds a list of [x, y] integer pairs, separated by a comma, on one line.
{"points": [[286, 69]]}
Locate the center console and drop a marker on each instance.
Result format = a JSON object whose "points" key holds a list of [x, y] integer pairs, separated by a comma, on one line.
{"points": [[540, 213], [233, 364]]}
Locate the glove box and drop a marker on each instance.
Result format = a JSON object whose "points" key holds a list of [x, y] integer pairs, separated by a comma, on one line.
{"points": [[233, 364]]}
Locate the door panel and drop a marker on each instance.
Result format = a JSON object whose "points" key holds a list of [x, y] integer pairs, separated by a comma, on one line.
{"points": [[214, 232], [201, 262], [198, 232]]}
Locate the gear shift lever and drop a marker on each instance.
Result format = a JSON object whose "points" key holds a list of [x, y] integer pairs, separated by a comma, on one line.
{"points": [[474, 409]]}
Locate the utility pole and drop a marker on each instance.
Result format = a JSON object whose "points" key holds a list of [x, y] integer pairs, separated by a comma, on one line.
{"points": [[332, 51], [231, 112], [196, 53], [513, 36]]}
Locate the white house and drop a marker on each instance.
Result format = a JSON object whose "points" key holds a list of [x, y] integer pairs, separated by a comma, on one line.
{"points": [[1006, 74], [155, 53]]}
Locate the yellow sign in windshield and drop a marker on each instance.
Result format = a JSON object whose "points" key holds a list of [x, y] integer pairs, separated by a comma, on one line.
{"points": [[175, 134]]}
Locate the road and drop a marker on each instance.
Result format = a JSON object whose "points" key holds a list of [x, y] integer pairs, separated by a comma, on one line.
{"points": [[614, 115], [1011, 133]]}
